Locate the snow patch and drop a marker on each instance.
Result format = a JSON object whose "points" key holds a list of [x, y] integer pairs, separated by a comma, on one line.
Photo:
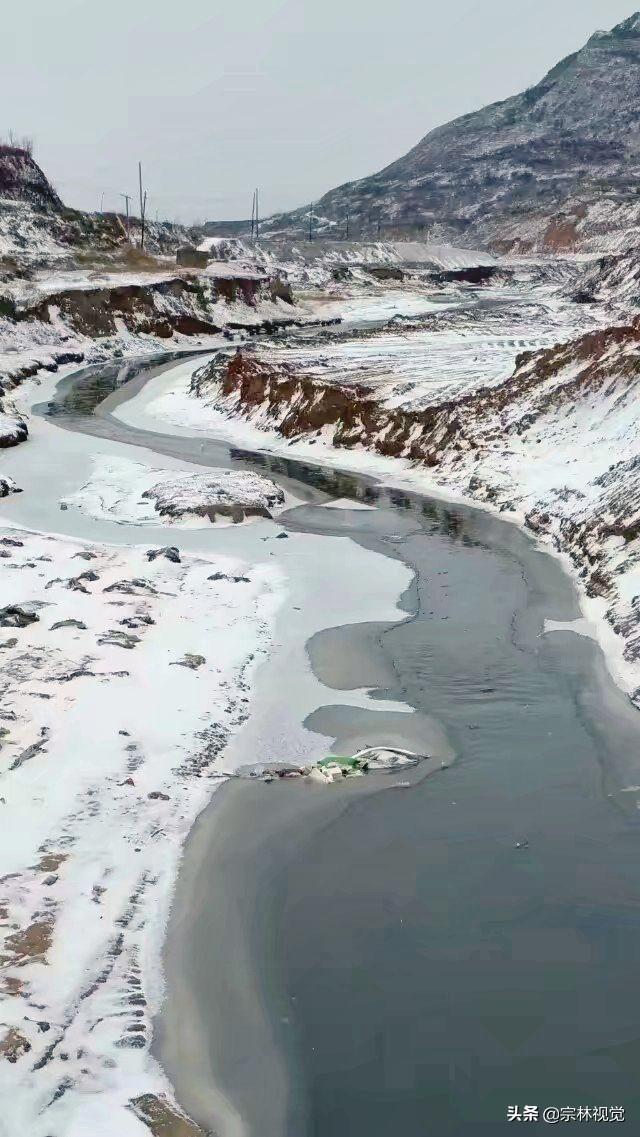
{"points": [[130, 492]]}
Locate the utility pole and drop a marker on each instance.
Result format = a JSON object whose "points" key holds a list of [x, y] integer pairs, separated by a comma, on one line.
{"points": [[127, 199], [257, 216], [311, 223], [143, 205], [378, 226], [101, 200], [347, 235], [253, 214]]}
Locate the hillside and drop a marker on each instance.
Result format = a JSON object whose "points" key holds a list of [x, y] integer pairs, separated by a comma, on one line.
{"points": [[569, 142], [21, 179]]}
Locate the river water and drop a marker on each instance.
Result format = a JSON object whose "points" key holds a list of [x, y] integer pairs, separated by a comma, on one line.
{"points": [[381, 959]]}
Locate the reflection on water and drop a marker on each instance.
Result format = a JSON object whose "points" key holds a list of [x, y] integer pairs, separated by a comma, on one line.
{"points": [[338, 484]]}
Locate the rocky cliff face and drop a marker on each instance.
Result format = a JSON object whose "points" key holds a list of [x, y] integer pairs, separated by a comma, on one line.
{"points": [[572, 138]]}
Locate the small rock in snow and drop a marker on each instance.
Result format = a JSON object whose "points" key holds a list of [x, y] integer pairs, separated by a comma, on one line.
{"points": [[169, 551], [189, 660], [223, 576], [7, 486], [119, 639], [14, 1045], [17, 616]]}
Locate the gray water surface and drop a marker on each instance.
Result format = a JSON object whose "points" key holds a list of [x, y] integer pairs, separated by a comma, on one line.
{"points": [[378, 960]]}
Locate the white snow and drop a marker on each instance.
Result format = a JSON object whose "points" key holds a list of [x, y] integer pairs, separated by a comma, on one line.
{"points": [[131, 492], [93, 822]]}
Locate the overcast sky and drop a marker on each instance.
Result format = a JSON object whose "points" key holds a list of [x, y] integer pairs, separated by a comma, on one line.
{"points": [[295, 96]]}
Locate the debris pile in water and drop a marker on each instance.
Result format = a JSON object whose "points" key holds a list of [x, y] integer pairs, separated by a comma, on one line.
{"points": [[335, 768]]}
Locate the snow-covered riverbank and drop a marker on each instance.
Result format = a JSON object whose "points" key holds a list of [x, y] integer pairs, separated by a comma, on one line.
{"points": [[118, 701]]}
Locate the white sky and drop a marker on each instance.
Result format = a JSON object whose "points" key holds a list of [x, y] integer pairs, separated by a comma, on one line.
{"points": [[295, 96]]}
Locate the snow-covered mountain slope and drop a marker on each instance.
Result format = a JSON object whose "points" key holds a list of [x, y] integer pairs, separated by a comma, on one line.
{"points": [[574, 137]]}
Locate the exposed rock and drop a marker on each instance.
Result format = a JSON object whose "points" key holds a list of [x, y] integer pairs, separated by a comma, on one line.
{"points": [[13, 1045], [135, 587], [13, 430], [69, 624], [50, 862], [162, 1118], [157, 795], [30, 944], [32, 750], [7, 486], [17, 616], [225, 576], [116, 638], [75, 584], [169, 551], [140, 620], [189, 660]]}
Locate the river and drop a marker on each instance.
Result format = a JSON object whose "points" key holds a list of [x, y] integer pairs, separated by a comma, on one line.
{"points": [[411, 959]]}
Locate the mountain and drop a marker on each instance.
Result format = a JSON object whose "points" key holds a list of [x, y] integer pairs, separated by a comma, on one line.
{"points": [[570, 140]]}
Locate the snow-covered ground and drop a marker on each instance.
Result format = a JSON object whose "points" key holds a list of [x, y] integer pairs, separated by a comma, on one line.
{"points": [[118, 701]]}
